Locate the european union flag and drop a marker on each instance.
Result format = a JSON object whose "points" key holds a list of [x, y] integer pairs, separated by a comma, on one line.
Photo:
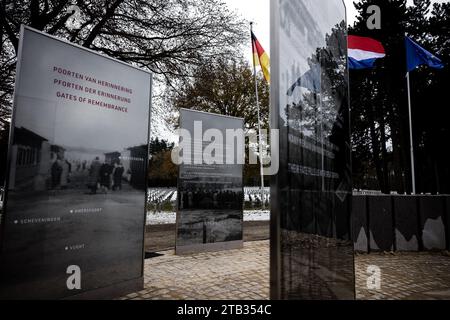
{"points": [[416, 56]]}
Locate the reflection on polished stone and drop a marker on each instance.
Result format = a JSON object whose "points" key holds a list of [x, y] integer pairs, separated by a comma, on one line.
{"points": [[315, 267], [75, 200], [311, 194], [210, 195]]}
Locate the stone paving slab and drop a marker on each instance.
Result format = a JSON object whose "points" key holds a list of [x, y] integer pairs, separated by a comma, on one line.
{"points": [[405, 276], [244, 275], [227, 275]]}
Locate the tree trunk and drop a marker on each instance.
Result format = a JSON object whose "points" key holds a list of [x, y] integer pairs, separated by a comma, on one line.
{"points": [[397, 158], [375, 148], [386, 186]]}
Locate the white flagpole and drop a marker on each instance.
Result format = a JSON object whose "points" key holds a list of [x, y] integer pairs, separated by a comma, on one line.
{"points": [[322, 142], [259, 125], [413, 174], [321, 130]]}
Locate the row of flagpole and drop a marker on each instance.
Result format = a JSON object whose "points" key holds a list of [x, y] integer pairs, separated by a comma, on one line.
{"points": [[364, 51], [415, 56]]}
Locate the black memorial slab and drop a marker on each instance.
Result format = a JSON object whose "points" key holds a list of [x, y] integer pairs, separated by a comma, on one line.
{"points": [[381, 223], [210, 194], [447, 221], [407, 233], [311, 246], [432, 217], [75, 202], [360, 227]]}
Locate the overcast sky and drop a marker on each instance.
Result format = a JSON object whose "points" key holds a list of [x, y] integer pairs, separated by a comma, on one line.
{"points": [[258, 11]]}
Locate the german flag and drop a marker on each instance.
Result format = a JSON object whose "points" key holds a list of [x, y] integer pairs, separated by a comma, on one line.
{"points": [[260, 57]]}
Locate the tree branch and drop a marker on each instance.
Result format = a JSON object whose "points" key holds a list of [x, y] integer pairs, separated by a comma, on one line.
{"points": [[96, 30], [9, 32]]}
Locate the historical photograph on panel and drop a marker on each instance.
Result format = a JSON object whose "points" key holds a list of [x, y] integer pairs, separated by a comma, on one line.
{"points": [[77, 176], [210, 192]]}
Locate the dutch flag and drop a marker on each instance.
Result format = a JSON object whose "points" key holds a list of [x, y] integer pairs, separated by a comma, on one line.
{"points": [[363, 52]]}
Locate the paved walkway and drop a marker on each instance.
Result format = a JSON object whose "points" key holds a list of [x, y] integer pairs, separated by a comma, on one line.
{"points": [[405, 276], [227, 275], [244, 275]]}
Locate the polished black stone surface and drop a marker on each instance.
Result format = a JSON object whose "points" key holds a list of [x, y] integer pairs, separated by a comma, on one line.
{"points": [[447, 221], [74, 214], [431, 207], [407, 237], [360, 223], [432, 217], [381, 223], [312, 250], [210, 189]]}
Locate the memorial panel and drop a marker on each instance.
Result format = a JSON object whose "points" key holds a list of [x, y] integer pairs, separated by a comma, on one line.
{"points": [[312, 249], [210, 188], [76, 190]]}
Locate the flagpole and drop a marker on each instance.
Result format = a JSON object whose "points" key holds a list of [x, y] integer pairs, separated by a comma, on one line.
{"points": [[413, 174], [321, 130], [322, 141], [259, 123], [415, 56]]}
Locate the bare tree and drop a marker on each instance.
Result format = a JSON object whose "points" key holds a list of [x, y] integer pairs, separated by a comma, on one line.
{"points": [[169, 38], [225, 87]]}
